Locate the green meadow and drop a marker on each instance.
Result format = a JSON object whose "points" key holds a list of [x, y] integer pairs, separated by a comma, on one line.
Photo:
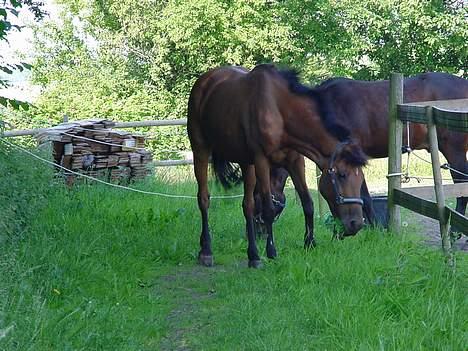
{"points": [[99, 268]]}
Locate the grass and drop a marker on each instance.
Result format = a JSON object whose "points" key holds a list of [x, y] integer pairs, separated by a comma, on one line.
{"points": [[94, 268]]}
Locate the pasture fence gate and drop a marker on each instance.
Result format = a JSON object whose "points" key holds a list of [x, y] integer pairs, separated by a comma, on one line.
{"points": [[450, 114]]}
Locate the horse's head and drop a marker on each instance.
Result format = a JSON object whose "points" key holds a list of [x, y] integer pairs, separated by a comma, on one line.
{"points": [[278, 177], [340, 184]]}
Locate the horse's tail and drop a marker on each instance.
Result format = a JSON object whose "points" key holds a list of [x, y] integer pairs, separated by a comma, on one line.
{"points": [[227, 173]]}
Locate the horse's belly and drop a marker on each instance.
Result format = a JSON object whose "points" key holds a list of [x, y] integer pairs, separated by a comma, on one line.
{"points": [[233, 153], [230, 145]]}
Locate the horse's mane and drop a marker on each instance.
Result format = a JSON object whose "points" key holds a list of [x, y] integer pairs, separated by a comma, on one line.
{"points": [[352, 153], [326, 112], [331, 81]]}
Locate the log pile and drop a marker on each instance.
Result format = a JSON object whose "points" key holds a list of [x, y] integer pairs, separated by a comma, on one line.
{"points": [[91, 147]]}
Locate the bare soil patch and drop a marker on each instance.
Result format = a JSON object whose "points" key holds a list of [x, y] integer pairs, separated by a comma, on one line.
{"points": [[431, 233], [184, 284]]}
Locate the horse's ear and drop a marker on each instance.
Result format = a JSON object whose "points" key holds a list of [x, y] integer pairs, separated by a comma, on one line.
{"points": [[352, 153]]}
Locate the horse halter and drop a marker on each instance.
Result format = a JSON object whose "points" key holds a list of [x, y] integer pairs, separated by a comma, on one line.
{"points": [[340, 199], [259, 219]]}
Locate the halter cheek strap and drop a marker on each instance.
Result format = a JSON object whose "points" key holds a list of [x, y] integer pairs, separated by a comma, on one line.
{"points": [[340, 199]]}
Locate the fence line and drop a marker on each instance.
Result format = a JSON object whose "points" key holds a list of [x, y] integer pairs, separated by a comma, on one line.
{"points": [[135, 124], [451, 114], [112, 184]]}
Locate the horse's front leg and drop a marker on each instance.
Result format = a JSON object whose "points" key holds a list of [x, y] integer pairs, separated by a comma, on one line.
{"points": [[296, 169], [460, 164], [368, 208], [262, 171], [248, 205], [205, 256]]}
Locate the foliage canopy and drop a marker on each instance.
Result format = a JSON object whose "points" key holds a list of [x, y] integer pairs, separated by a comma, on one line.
{"points": [[130, 60]]}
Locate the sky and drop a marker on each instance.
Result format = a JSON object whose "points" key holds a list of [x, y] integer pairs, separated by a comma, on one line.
{"points": [[18, 49]]}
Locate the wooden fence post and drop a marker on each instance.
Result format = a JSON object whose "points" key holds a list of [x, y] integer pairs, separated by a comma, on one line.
{"points": [[322, 205], [439, 190], [394, 150]]}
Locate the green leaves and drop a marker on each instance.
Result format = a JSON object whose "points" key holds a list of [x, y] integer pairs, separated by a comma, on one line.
{"points": [[6, 70], [129, 60], [15, 104]]}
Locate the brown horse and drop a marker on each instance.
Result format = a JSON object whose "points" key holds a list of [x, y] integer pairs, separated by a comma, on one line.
{"points": [[363, 107], [257, 119]]}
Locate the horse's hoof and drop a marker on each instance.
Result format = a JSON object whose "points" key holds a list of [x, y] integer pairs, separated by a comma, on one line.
{"points": [[205, 260], [271, 254], [310, 244], [255, 264]]}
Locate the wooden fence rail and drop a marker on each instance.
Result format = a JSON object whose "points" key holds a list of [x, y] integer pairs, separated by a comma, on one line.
{"points": [[450, 114], [150, 123], [133, 124]]}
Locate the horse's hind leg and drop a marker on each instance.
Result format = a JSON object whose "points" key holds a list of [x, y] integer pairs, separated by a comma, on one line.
{"points": [[461, 201], [200, 161], [296, 169], [262, 171], [248, 205]]}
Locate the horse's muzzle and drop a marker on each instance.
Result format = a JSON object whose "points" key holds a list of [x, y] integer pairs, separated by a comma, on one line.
{"points": [[352, 227]]}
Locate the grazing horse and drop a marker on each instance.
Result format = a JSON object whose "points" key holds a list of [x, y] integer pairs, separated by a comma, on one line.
{"points": [[363, 107], [262, 118]]}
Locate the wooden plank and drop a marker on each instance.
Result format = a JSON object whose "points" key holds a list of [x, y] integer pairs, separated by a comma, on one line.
{"points": [[428, 192], [416, 204], [458, 220], [415, 111], [453, 120], [24, 132], [460, 105], [395, 136], [153, 123], [172, 163], [410, 113]]}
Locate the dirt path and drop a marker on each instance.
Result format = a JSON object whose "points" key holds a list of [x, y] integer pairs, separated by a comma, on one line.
{"points": [[430, 231], [184, 284]]}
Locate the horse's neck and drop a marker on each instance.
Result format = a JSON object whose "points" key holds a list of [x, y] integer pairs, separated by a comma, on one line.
{"points": [[309, 137]]}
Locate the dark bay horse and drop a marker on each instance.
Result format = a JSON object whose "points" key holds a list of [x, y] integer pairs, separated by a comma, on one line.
{"points": [[363, 107], [262, 118]]}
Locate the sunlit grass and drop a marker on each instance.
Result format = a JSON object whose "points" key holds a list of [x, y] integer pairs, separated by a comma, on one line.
{"points": [[93, 268]]}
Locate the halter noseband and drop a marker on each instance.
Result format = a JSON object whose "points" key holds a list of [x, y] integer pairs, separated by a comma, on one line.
{"points": [[340, 199]]}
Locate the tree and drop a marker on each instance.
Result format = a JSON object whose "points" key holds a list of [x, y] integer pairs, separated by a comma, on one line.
{"points": [[7, 10], [130, 60]]}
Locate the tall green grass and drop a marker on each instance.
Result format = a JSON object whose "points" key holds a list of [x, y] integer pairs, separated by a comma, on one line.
{"points": [[97, 268]]}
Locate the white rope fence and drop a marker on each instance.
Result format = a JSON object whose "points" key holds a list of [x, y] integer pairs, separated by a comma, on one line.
{"points": [[111, 184], [407, 177]]}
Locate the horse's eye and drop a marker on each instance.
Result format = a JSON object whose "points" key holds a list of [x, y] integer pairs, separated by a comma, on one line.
{"points": [[342, 175]]}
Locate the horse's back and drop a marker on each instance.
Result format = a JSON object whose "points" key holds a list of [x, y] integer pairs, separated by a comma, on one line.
{"points": [[235, 111], [218, 116], [435, 86], [202, 91], [363, 105]]}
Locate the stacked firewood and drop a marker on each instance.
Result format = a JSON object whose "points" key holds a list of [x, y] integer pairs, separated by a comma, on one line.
{"points": [[92, 148]]}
